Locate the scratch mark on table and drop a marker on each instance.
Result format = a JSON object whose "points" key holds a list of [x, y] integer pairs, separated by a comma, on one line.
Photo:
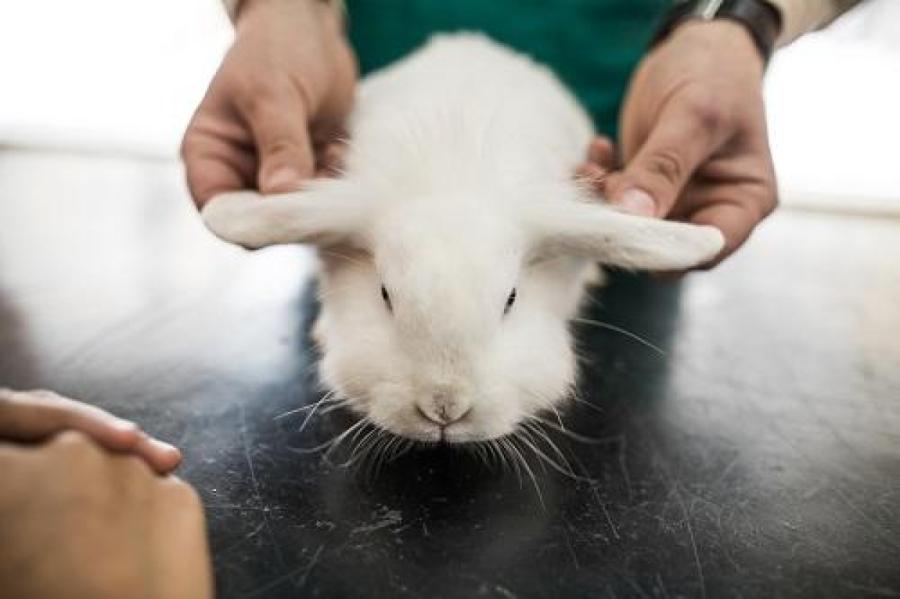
{"points": [[662, 586], [690, 530], [623, 466], [301, 582], [256, 530], [570, 547], [505, 592], [305, 570], [873, 525], [876, 591], [606, 514], [255, 483]]}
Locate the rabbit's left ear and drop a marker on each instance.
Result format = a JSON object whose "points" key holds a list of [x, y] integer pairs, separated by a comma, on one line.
{"points": [[324, 214], [617, 239]]}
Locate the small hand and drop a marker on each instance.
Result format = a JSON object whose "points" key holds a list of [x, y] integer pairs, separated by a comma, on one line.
{"points": [[693, 134], [275, 109], [36, 416], [80, 522]]}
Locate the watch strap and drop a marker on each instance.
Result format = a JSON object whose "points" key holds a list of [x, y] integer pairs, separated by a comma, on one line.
{"points": [[761, 19]]}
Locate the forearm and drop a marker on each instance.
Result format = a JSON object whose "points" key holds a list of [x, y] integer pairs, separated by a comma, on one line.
{"points": [[802, 16]]}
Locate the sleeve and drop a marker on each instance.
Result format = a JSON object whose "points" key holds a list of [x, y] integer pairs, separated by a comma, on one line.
{"points": [[802, 16], [231, 7]]}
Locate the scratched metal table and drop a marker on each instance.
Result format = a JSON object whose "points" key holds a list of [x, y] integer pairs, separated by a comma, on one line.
{"points": [[757, 455]]}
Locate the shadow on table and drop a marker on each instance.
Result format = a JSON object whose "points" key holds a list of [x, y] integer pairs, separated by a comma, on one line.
{"points": [[17, 364]]}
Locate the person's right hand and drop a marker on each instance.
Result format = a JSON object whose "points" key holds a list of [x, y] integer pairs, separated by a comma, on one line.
{"points": [[79, 522], [276, 106]]}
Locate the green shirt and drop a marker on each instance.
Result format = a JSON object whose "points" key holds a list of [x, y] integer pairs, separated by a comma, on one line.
{"points": [[592, 45]]}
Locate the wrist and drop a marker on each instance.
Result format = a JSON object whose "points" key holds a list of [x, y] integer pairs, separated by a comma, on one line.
{"points": [[721, 37], [246, 13], [239, 8], [760, 19]]}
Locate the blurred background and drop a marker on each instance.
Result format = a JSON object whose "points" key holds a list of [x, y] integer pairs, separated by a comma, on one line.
{"points": [[72, 80]]}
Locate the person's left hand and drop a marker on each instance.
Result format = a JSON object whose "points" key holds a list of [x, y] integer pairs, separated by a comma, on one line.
{"points": [[693, 135], [36, 416]]}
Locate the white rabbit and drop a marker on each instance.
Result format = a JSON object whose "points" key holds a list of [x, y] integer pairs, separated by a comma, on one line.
{"points": [[456, 245]]}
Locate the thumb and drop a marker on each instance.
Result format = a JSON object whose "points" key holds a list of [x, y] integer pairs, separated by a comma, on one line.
{"points": [[653, 179], [281, 132]]}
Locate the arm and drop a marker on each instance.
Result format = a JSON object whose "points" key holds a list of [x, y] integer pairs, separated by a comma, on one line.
{"points": [[693, 135]]}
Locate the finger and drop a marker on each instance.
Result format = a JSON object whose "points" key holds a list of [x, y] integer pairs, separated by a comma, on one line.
{"points": [[593, 176], [35, 416], [208, 175], [160, 456], [330, 160], [681, 140], [736, 221], [281, 133], [601, 151], [218, 157]]}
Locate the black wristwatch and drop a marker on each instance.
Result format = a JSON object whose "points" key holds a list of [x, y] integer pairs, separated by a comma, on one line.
{"points": [[762, 19]]}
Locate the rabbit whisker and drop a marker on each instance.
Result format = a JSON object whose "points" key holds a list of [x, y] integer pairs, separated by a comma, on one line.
{"points": [[626, 332], [573, 435]]}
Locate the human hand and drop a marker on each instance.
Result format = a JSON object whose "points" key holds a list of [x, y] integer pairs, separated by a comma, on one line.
{"points": [[35, 416], [274, 109], [693, 134], [79, 522]]}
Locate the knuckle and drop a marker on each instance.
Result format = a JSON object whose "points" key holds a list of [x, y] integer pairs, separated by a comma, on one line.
{"points": [[7, 399], [43, 396], [181, 493], [260, 96], [189, 144], [707, 111], [134, 467], [667, 164], [278, 146], [769, 203], [76, 445], [768, 198]]}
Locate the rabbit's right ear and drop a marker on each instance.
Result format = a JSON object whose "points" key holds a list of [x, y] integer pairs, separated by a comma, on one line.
{"points": [[324, 214]]}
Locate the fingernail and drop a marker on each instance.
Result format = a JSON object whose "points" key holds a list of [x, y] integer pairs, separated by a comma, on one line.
{"points": [[283, 179], [164, 447], [636, 201]]}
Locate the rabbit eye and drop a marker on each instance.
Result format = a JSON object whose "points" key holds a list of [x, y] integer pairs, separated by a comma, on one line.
{"points": [[386, 297], [510, 301]]}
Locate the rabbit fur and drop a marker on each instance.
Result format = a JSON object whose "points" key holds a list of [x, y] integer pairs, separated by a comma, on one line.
{"points": [[455, 246]]}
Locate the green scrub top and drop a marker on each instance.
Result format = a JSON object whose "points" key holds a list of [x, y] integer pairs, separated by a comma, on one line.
{"points": [[592, 45]]}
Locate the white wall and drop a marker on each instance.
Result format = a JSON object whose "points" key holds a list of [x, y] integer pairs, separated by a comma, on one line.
{"points": [[115, 75]]}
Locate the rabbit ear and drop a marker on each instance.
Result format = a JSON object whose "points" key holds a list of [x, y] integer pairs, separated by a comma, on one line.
{"points": [[623, 240], [323, 214]]}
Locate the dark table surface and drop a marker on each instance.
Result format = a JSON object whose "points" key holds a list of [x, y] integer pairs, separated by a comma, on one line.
{"points": [[757, 455]]}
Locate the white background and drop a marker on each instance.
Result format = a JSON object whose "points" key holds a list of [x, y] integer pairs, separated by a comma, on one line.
{"points": [[125, 75]]}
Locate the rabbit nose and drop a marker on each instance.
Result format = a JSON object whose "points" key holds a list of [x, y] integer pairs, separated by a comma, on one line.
{"points": [[443, 407]]}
